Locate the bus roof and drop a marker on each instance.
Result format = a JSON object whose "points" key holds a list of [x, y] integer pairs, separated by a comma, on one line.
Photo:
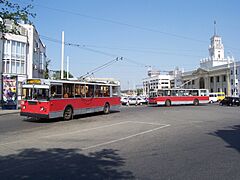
{"points": [[178, 89], [38, 81]]}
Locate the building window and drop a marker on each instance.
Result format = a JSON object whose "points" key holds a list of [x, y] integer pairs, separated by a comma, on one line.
{"points": [[211, 90], [217, 78], [225, 91], [236, 72], [224, 78], [218, 89], [193, 82], [231, 81], [231, 72], [14, 58], [211, 79]]}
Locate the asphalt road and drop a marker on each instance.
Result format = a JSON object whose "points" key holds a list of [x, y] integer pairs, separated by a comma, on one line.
{"points": [[179, 142]]}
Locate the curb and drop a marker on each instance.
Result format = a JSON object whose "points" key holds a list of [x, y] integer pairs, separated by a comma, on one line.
{"points": [[2, 114]]}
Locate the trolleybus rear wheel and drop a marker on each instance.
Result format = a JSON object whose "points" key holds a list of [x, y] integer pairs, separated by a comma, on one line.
{"points": [[168, 103], [106, 109], [68, 113], [196, 102]]}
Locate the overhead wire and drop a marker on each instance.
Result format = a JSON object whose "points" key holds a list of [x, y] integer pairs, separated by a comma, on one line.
{"points": [[121, 23], [88, 47], [125, 24]]}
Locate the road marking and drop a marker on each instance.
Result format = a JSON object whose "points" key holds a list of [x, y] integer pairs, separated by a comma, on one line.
{"points": [[84, 130], [73, 132], [100, 127], [149, 123], [128, 137]]}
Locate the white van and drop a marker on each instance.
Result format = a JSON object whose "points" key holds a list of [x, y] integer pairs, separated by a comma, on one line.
{"points": [[213, 97]]}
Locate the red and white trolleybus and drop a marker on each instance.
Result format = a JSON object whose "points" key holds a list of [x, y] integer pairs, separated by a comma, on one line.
{"points": [[44, 98], [170, 97]]}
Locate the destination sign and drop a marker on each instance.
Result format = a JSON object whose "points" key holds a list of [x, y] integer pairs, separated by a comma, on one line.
{"points": [[33, 81]]}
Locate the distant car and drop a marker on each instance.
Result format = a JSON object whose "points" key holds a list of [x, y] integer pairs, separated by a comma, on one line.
{"points": [[124, 100], [220, 96], [132, 101], [230, 101], [141, 101], [213, 97]]}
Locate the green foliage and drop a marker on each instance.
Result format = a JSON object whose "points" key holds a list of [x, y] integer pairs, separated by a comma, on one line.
{"points": [[139, 91], [46, 72], [57, 75], [15, 13]]}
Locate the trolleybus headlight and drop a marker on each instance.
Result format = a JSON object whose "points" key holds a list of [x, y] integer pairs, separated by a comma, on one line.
{"points": [[42, 109], [23, 107]]}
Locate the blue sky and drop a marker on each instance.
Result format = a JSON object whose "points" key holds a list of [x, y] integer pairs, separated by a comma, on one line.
{"points": [[162, 34]]}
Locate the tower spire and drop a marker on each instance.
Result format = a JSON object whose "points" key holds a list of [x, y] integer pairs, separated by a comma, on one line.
{"points": [[215, 28]]}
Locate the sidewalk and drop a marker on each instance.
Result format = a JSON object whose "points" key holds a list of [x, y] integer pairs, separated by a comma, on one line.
{"points": [[5, 112]]}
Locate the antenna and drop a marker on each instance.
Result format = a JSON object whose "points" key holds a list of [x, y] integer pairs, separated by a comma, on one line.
{"points": [[215, 33]]}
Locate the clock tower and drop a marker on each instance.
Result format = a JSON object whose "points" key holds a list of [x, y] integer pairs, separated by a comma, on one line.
{"points": [[216, 49]]}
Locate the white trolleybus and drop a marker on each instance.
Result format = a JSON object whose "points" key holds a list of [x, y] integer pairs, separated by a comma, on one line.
{"points": [[170, 97]]}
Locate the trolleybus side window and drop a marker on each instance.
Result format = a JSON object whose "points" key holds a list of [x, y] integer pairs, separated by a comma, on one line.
{"points": [[80, 90], [102, 91], [174, 93], [56, 91], [182, 93], [106, 91], [89, 90], [167, 92], [115, 91], [203, 92], [68, 90], [192, 92], [160, 93], [98, 92]]}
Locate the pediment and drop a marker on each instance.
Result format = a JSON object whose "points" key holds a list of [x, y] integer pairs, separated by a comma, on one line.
{"points": [[199, 71]]}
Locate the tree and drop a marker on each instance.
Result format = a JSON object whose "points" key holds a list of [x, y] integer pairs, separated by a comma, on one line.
{"points": [[46, 73], [57, 74], [139, 91], [15, 13]]}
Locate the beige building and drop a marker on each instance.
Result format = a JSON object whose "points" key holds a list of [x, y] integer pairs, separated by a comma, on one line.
{"points": [[216, 73]]}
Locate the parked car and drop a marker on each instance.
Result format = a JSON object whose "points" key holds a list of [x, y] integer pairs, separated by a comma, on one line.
{"points": [[124, 100], [230, 101]]}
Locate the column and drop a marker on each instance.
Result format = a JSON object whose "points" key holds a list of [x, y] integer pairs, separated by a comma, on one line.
{"points": [[228, 82]]}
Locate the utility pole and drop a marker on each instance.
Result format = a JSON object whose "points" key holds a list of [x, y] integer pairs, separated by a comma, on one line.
{"points": [[62, 64], [67, 67]]}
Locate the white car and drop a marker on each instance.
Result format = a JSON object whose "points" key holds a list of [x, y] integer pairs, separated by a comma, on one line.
{"points": [[213, 97], [124, 100], [141, 101], [132, 101]]}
